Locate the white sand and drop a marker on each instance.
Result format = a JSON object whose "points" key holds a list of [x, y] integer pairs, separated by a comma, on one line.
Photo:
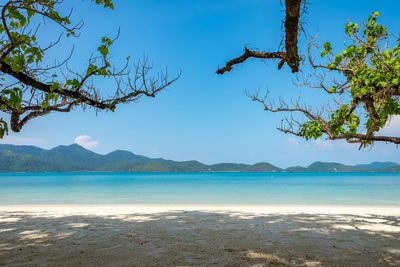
{"points": [[199, 235]]}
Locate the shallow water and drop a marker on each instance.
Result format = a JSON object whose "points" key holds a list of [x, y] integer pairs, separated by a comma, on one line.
{"points": [[201, 188]]}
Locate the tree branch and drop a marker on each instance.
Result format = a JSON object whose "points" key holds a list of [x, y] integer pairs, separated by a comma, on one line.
{"points": [[359, 138], [249, 54], [290, 56], [29, 81]]}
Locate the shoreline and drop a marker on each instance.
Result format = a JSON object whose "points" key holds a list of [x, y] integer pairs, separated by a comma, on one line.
{"points": [[257, 209], [186, 172]]}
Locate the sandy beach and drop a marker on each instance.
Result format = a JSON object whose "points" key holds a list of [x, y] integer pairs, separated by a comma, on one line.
{"points": [[196, 235]]}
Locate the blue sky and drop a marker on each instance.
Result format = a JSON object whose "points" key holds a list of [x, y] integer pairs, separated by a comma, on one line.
{"points": [[205, 116]]}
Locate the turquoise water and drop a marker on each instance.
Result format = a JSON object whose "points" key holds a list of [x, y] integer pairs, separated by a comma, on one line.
{"points": [[201, 188]]}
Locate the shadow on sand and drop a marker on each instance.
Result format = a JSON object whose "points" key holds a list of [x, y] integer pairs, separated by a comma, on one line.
{"points": [[196, 238]]}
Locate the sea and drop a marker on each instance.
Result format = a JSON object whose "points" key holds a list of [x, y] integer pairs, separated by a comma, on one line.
{"points": [[201, 188]]}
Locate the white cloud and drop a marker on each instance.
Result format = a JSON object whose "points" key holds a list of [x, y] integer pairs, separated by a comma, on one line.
{"points": [[393, 127], [322, 143], [293, 141], [85, 141], [301, 145], [317, 144], [18, 140]]}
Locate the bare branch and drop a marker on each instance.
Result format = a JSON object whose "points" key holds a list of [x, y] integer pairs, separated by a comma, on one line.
{"points": [[290, 56], [249, 54], [29, 90]]}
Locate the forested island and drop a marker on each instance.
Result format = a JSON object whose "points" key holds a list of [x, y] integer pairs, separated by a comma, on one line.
{"points": [[74, 158]]}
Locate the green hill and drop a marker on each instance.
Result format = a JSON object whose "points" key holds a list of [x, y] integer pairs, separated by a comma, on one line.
{"points": [[14, 162], [263, 167], [331, 167], [392, 169], [377, 165], [296, 169], [76, 158]]}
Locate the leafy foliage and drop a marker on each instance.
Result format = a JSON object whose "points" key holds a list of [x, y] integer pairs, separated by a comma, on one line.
{"points": [[372, 73], [369, 88], [30, 87]]}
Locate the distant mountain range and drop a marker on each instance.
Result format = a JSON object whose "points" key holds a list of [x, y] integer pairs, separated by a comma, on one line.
{"points": [[74, 158]]}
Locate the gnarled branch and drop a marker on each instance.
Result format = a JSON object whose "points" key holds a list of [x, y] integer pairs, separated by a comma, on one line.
{"points": [[290, 56], [29, 90]]}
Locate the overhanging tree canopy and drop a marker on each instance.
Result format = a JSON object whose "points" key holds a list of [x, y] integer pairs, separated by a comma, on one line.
{"points": [[370, 84], [30, 88], [369, 87]]}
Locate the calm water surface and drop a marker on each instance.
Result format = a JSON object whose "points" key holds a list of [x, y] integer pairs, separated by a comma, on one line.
{"points": [[201, 188]]}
